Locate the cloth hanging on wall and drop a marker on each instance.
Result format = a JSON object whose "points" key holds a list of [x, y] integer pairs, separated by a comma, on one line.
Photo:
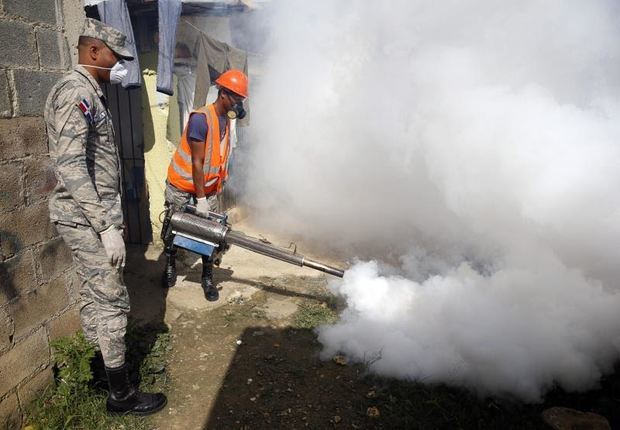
{"points": [[169, 13], [115, 13], [185, 71]]}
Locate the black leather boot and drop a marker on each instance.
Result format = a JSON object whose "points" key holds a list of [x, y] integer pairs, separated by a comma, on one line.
{"points": [[125, 398], [210, 290], [169, 277], [97, 368]]}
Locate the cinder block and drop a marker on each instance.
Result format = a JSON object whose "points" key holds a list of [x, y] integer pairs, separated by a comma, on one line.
{"points": [[32, 389], [39, 179], [66, 55], [66, 324], [73, 287], [7, 329], [31, 90], [50, 45], [16, 276], [10, 415], [18, 47], [54, 258], [22, 136], [23, 360], [36, 307], [32, 10], [25, 227], [11, 194], [6, 108], [73, 18]]}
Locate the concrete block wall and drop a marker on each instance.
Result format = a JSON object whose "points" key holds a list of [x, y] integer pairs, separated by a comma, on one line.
{"points": [[38, 289]]}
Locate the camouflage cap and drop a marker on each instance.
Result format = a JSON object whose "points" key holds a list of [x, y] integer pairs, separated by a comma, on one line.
{"points": [[115, 40]]}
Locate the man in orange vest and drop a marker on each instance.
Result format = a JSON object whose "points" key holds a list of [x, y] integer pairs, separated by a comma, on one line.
{"points": [[199, 167]]}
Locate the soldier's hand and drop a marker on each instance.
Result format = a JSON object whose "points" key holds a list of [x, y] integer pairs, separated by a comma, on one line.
{"points": [[202, 206], [114, 245]]}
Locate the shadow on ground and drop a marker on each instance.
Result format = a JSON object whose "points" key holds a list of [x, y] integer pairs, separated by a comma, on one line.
{"points": [[276, 380], [266, 284], [143, 280], [148, 303], [273, 378]]}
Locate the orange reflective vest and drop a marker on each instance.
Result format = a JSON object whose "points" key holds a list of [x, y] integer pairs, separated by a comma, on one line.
{"points": [[215, 166]]}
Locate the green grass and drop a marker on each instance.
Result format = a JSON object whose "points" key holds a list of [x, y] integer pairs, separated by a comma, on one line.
{"points": [[71, 403], [311, 315]]}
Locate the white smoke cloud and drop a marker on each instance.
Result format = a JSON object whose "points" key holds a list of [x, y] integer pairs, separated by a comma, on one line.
{"points": [[471, 152]]}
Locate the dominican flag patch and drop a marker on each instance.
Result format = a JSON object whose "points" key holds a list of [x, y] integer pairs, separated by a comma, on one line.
{"points": [[85, 108]]}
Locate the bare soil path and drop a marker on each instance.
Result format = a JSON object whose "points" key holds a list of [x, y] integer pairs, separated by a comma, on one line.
{"points": [[240, 362], [245, 361]]}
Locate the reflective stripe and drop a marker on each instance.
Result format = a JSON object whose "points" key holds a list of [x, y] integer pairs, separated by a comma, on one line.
{"points": [[185, 156], [213, 170], [182, 174], [209, 141], [180, 171], [185, 176], [217, 152], [206, 166]]}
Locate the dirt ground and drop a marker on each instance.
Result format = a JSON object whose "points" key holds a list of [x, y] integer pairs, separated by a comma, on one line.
{"points": [[243, 362], [238, 362]]}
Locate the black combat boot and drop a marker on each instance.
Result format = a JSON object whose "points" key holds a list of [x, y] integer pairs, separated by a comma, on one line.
{"points": [[169, 277], [97, 368], [210, 290], [125, 398]]}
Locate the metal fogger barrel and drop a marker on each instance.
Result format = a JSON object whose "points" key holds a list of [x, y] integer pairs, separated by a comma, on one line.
{"points": [[206, 235]]}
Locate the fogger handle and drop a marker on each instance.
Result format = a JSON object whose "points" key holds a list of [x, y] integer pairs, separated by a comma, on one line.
{"points": [[214, 216]]}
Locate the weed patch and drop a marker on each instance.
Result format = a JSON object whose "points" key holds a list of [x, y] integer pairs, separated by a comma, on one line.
{"points": [[311, 315], [72, 403]]}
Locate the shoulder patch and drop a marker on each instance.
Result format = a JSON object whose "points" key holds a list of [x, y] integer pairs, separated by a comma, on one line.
{"points": [[86, 110]]}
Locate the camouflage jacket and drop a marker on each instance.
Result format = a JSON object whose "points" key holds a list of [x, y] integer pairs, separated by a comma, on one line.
{"points": [[84, 153]]}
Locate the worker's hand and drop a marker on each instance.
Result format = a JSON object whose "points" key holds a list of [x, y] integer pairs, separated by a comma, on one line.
{"points": [[202, 206], [114, 245]]}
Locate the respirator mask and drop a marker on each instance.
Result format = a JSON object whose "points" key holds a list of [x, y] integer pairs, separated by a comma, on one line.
{"points": [[236, 111], [117, 72]]}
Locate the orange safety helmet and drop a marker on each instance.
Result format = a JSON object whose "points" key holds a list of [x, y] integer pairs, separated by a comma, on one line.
{"points": [[235, 81]]}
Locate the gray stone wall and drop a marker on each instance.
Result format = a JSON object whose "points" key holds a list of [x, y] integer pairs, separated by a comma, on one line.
{"points": [[38, 289]]}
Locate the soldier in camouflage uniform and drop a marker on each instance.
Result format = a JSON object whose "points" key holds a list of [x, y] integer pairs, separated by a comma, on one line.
{"points": [[85, 205]]}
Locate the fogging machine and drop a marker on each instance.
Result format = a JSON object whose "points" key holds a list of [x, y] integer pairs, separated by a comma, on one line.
{"points": [[211, 235]]}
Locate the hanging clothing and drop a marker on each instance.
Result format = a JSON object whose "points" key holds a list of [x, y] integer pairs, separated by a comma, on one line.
{"points": [[169, 13], [214, 58], [217, 151], [185, 71], [115, 13]]}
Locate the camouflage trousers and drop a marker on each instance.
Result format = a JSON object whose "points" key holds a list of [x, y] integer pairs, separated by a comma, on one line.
{"points": [[176, 199], [104, 301]]}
